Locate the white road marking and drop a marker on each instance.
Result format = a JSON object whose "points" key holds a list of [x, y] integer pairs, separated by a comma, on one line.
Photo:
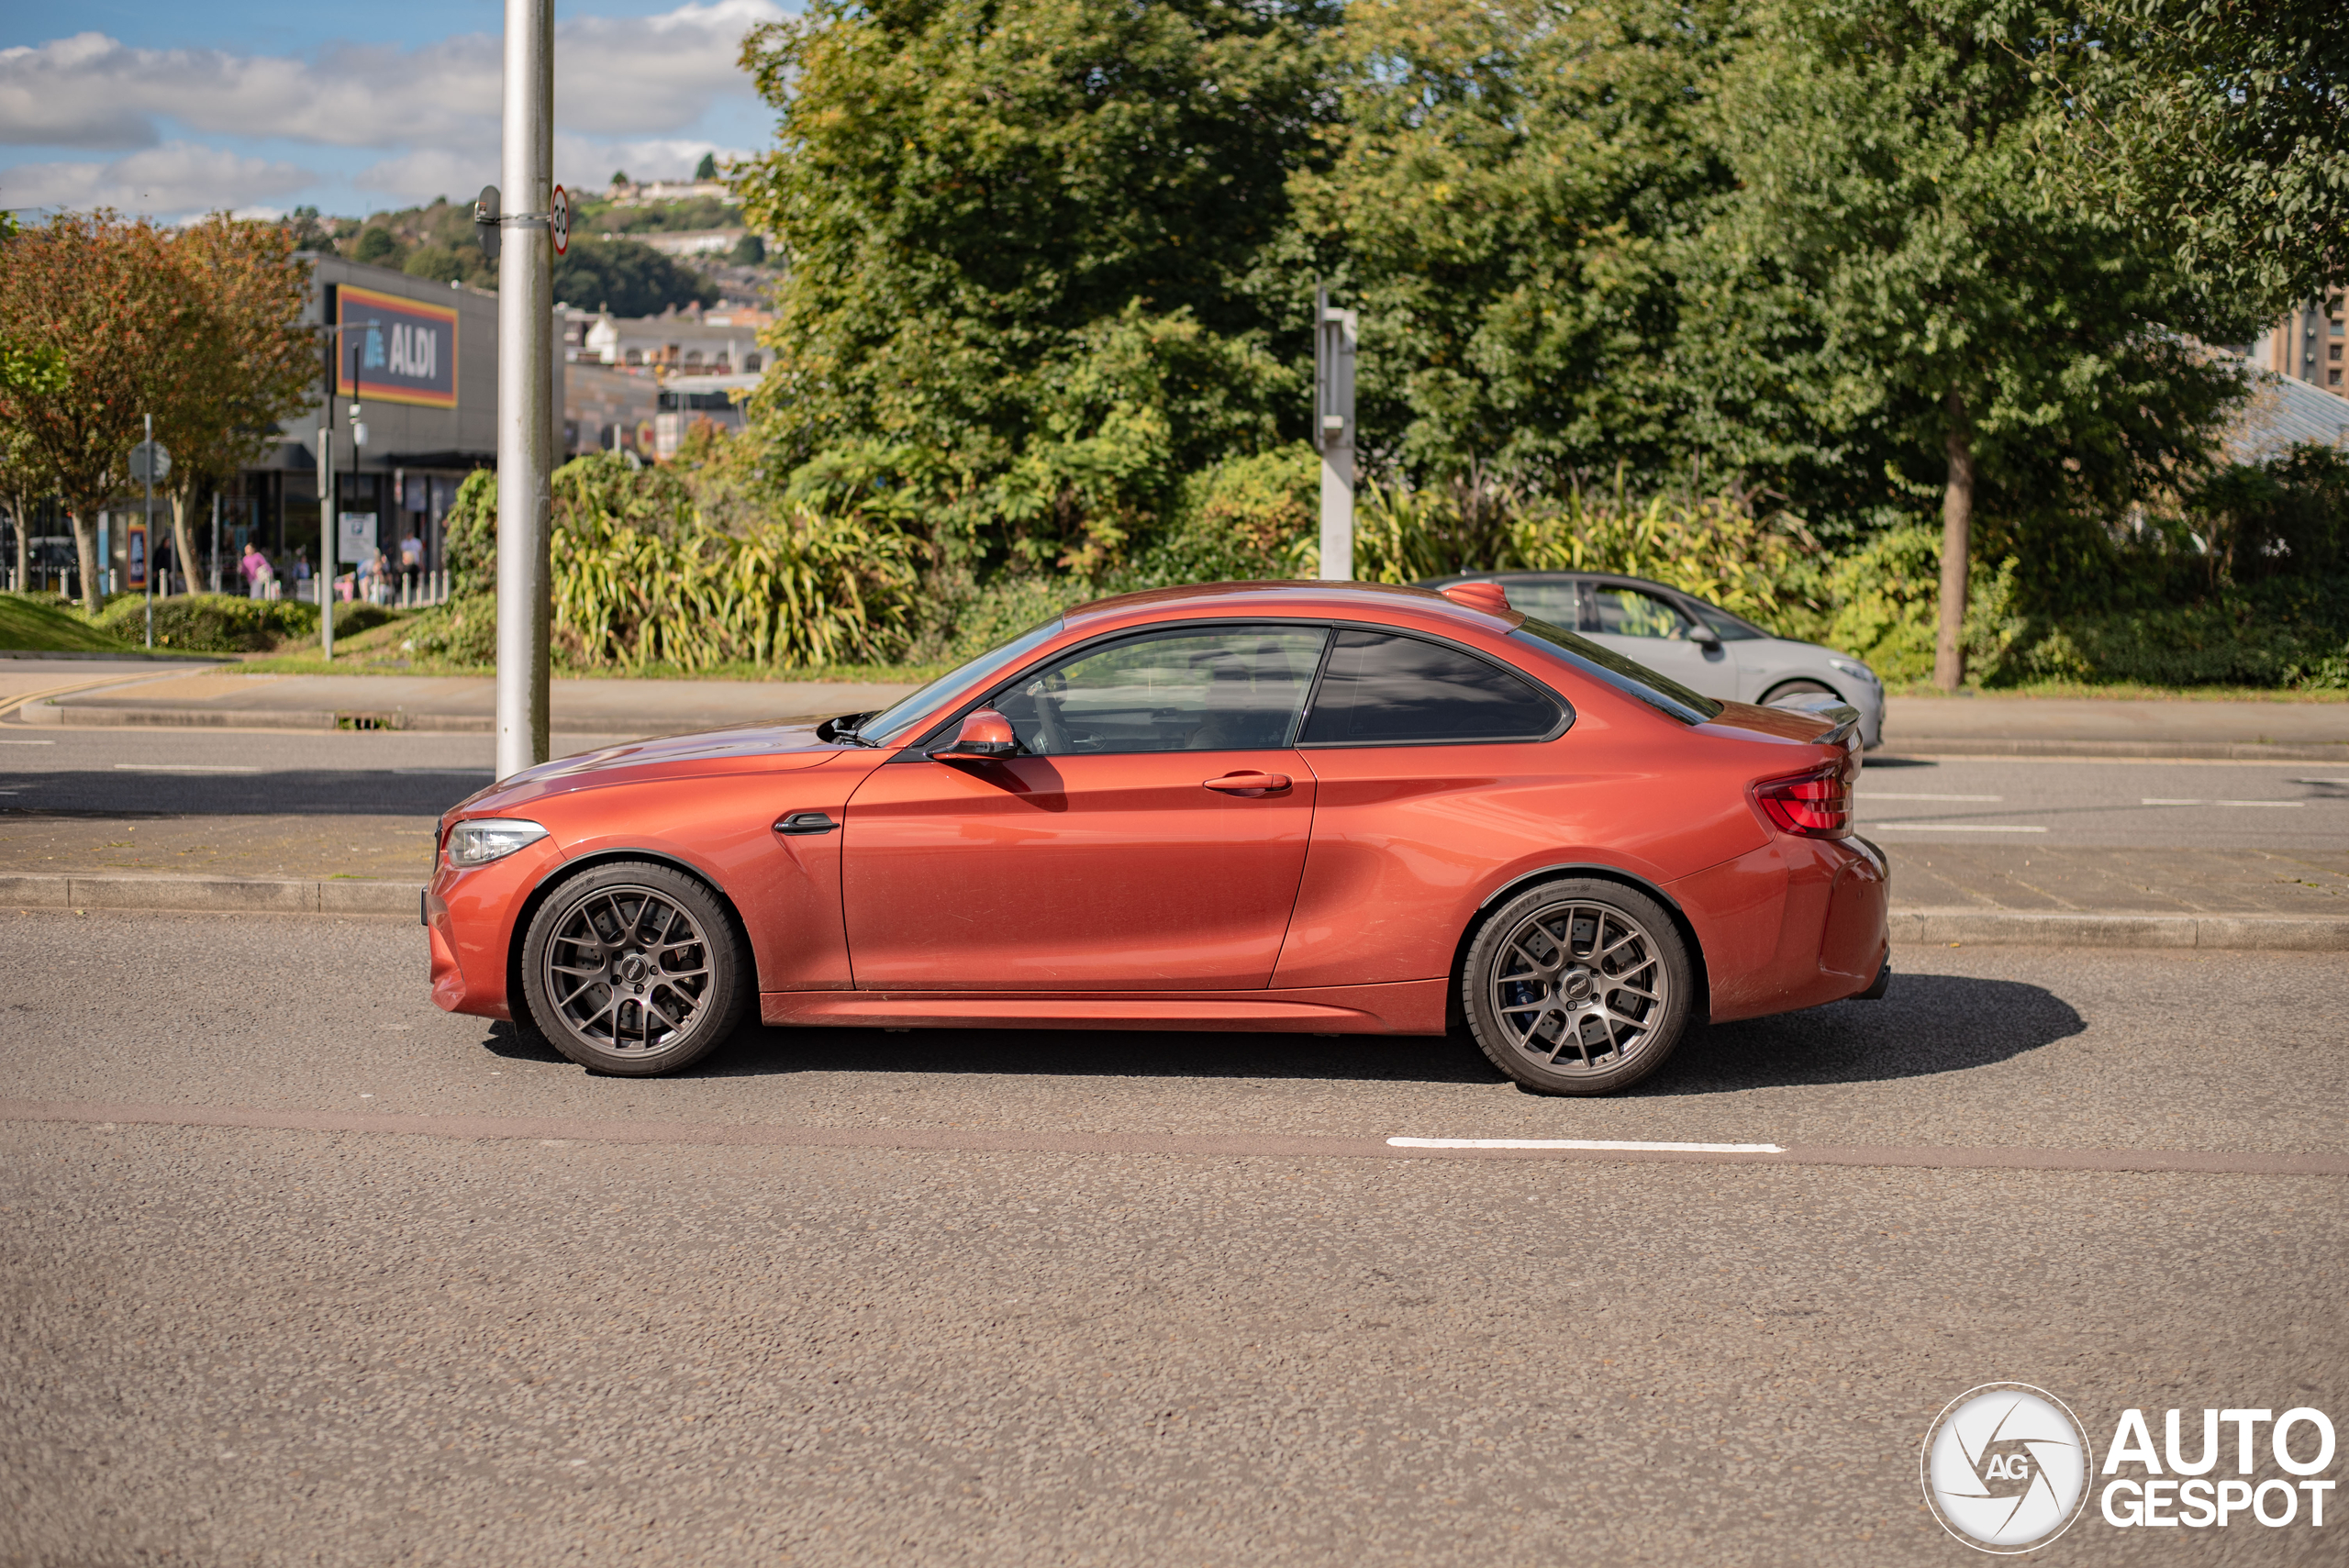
{"points": [[1959, 827], [1887, 795], [182, 768], [2151, 800], [1581, 1143], [53, 743]]}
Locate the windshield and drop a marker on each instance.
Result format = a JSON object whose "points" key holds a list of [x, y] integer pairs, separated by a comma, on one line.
{"points": [[891, 723], [1632, 679]]}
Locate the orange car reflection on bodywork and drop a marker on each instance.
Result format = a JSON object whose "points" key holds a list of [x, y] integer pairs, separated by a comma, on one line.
{"points": [[1271, 806]]}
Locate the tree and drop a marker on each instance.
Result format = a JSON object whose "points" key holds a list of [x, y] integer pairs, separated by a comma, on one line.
{"points": [[626, 277], [708, 168], [2219, 128], [1508, 194], [106, 297], [257, 364], [1010, 226], [1910, 285]]}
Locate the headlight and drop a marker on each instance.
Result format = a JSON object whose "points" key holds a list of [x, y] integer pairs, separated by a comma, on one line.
{"points": [[1858, 671], [487, 838]]}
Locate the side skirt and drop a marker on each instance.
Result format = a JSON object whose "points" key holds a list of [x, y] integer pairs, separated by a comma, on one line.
{"points": [[1410, 1006]]}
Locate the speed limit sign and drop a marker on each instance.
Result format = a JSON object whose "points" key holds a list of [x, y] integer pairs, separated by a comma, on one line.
{"points": [[558, 220]]}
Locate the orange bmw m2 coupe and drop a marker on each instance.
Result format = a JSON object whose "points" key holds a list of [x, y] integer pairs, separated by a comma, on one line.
{"points": [[1318, 808]]}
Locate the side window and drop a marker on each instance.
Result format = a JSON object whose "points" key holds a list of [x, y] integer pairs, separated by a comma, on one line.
{"points": [[1557, 603], [1627, 612], [1229, 689], [1381, 689]]}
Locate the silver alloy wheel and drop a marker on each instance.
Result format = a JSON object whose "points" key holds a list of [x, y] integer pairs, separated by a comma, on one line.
{"points": [[1579, 988], [629, 970]]}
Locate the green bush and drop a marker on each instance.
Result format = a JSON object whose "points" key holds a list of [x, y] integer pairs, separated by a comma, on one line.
{"points": [[222, 623]]}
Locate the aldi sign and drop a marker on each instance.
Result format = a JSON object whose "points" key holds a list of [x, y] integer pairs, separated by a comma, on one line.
{"points": [[395, 350]]}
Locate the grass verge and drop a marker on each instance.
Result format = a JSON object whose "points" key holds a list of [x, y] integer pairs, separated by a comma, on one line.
{"points": [[39, 624]]}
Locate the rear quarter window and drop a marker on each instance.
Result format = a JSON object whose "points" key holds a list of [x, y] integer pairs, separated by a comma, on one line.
{"points": [[1386, 689], [1629, 676]]}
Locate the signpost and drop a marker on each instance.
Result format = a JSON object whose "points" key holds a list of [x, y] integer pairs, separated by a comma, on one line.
{"points": [[1334, 338], [149, 462]]}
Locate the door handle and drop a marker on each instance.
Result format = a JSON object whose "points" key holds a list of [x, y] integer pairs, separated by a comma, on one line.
{"points": [[1248, 784], [796, 822]]}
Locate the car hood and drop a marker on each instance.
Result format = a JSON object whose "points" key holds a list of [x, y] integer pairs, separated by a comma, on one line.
{"points": [[780, 747]]}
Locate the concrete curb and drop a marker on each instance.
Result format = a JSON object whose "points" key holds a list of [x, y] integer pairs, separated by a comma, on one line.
{"points": [[93, 715], [2180, 751], [2064, 928], [1939, 928], [126, 656], [211, 895]]}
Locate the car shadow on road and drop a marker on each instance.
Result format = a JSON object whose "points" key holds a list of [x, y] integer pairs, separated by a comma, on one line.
{"points": [[1103, 1053], [1925, 1024]]}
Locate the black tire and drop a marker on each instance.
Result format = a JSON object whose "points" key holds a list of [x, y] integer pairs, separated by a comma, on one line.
{"points": [[1579, 987], [1799, 688], [634, 969]]}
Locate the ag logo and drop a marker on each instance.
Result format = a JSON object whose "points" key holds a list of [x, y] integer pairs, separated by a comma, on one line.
{"points": [[2006, 1468]]}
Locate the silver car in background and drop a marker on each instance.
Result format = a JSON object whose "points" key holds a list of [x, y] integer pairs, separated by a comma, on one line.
{"points": [[1701, 646]]}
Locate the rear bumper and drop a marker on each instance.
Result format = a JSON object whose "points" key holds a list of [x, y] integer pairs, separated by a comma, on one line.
{"points": [[1792, 923]]}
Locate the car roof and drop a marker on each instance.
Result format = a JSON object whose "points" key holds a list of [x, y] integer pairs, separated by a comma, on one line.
{"points": [[1506, 577], [1337, 601]]}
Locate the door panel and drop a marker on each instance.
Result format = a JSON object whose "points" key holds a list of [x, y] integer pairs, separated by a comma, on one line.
{"points": [[1074, 871]]}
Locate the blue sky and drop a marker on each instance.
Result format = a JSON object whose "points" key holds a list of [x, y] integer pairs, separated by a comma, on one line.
{"points": [[261, 105]]}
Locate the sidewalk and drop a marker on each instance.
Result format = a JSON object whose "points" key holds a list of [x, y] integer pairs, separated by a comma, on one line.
{"points": [[2114, 727], [220, 698], [1962, 893]]}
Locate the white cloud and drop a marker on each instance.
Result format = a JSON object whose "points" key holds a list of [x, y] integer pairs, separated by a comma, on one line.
{"points": [[613, 77], [178, 179]]}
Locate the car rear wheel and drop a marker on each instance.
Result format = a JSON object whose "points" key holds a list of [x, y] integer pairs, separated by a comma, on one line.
{"points": [[1577, 987], [634, 969], [1786, 690]]}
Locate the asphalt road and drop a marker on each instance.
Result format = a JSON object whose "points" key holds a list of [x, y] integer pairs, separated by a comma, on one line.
{"points": [[2103, 803], [228, 1344]]}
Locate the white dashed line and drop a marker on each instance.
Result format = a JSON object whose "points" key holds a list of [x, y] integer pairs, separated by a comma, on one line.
{"points": [[1584, 1143], [2151, 800], [1958, 827], [1887, 794], [182, 768]]}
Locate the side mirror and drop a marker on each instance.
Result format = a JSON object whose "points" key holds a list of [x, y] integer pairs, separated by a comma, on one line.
{"points": [[1708, 640], [985, 733]]}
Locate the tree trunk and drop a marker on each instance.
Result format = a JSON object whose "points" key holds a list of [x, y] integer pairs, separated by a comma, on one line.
{"points": [[184, 540], [24, 545], [1957, 542], [85, 556]]}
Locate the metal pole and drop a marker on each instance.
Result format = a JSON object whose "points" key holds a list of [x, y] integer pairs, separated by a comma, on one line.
{"points": [[215, 541], [149, 419], [1334, 432], [525, 386], [322, 585]]}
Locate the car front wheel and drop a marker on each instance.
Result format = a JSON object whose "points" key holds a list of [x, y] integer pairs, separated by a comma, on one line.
{"points": [[634, 969], [1579, 987]]}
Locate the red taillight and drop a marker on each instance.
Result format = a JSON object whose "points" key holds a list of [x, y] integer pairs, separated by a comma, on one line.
{"points": [[1811, 805]]}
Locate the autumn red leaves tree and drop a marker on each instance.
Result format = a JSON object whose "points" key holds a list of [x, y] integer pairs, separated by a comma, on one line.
{"points": [[199, 327]]}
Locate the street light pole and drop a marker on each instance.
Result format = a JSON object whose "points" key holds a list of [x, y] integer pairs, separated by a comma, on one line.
{"points": [[525, 387]]}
